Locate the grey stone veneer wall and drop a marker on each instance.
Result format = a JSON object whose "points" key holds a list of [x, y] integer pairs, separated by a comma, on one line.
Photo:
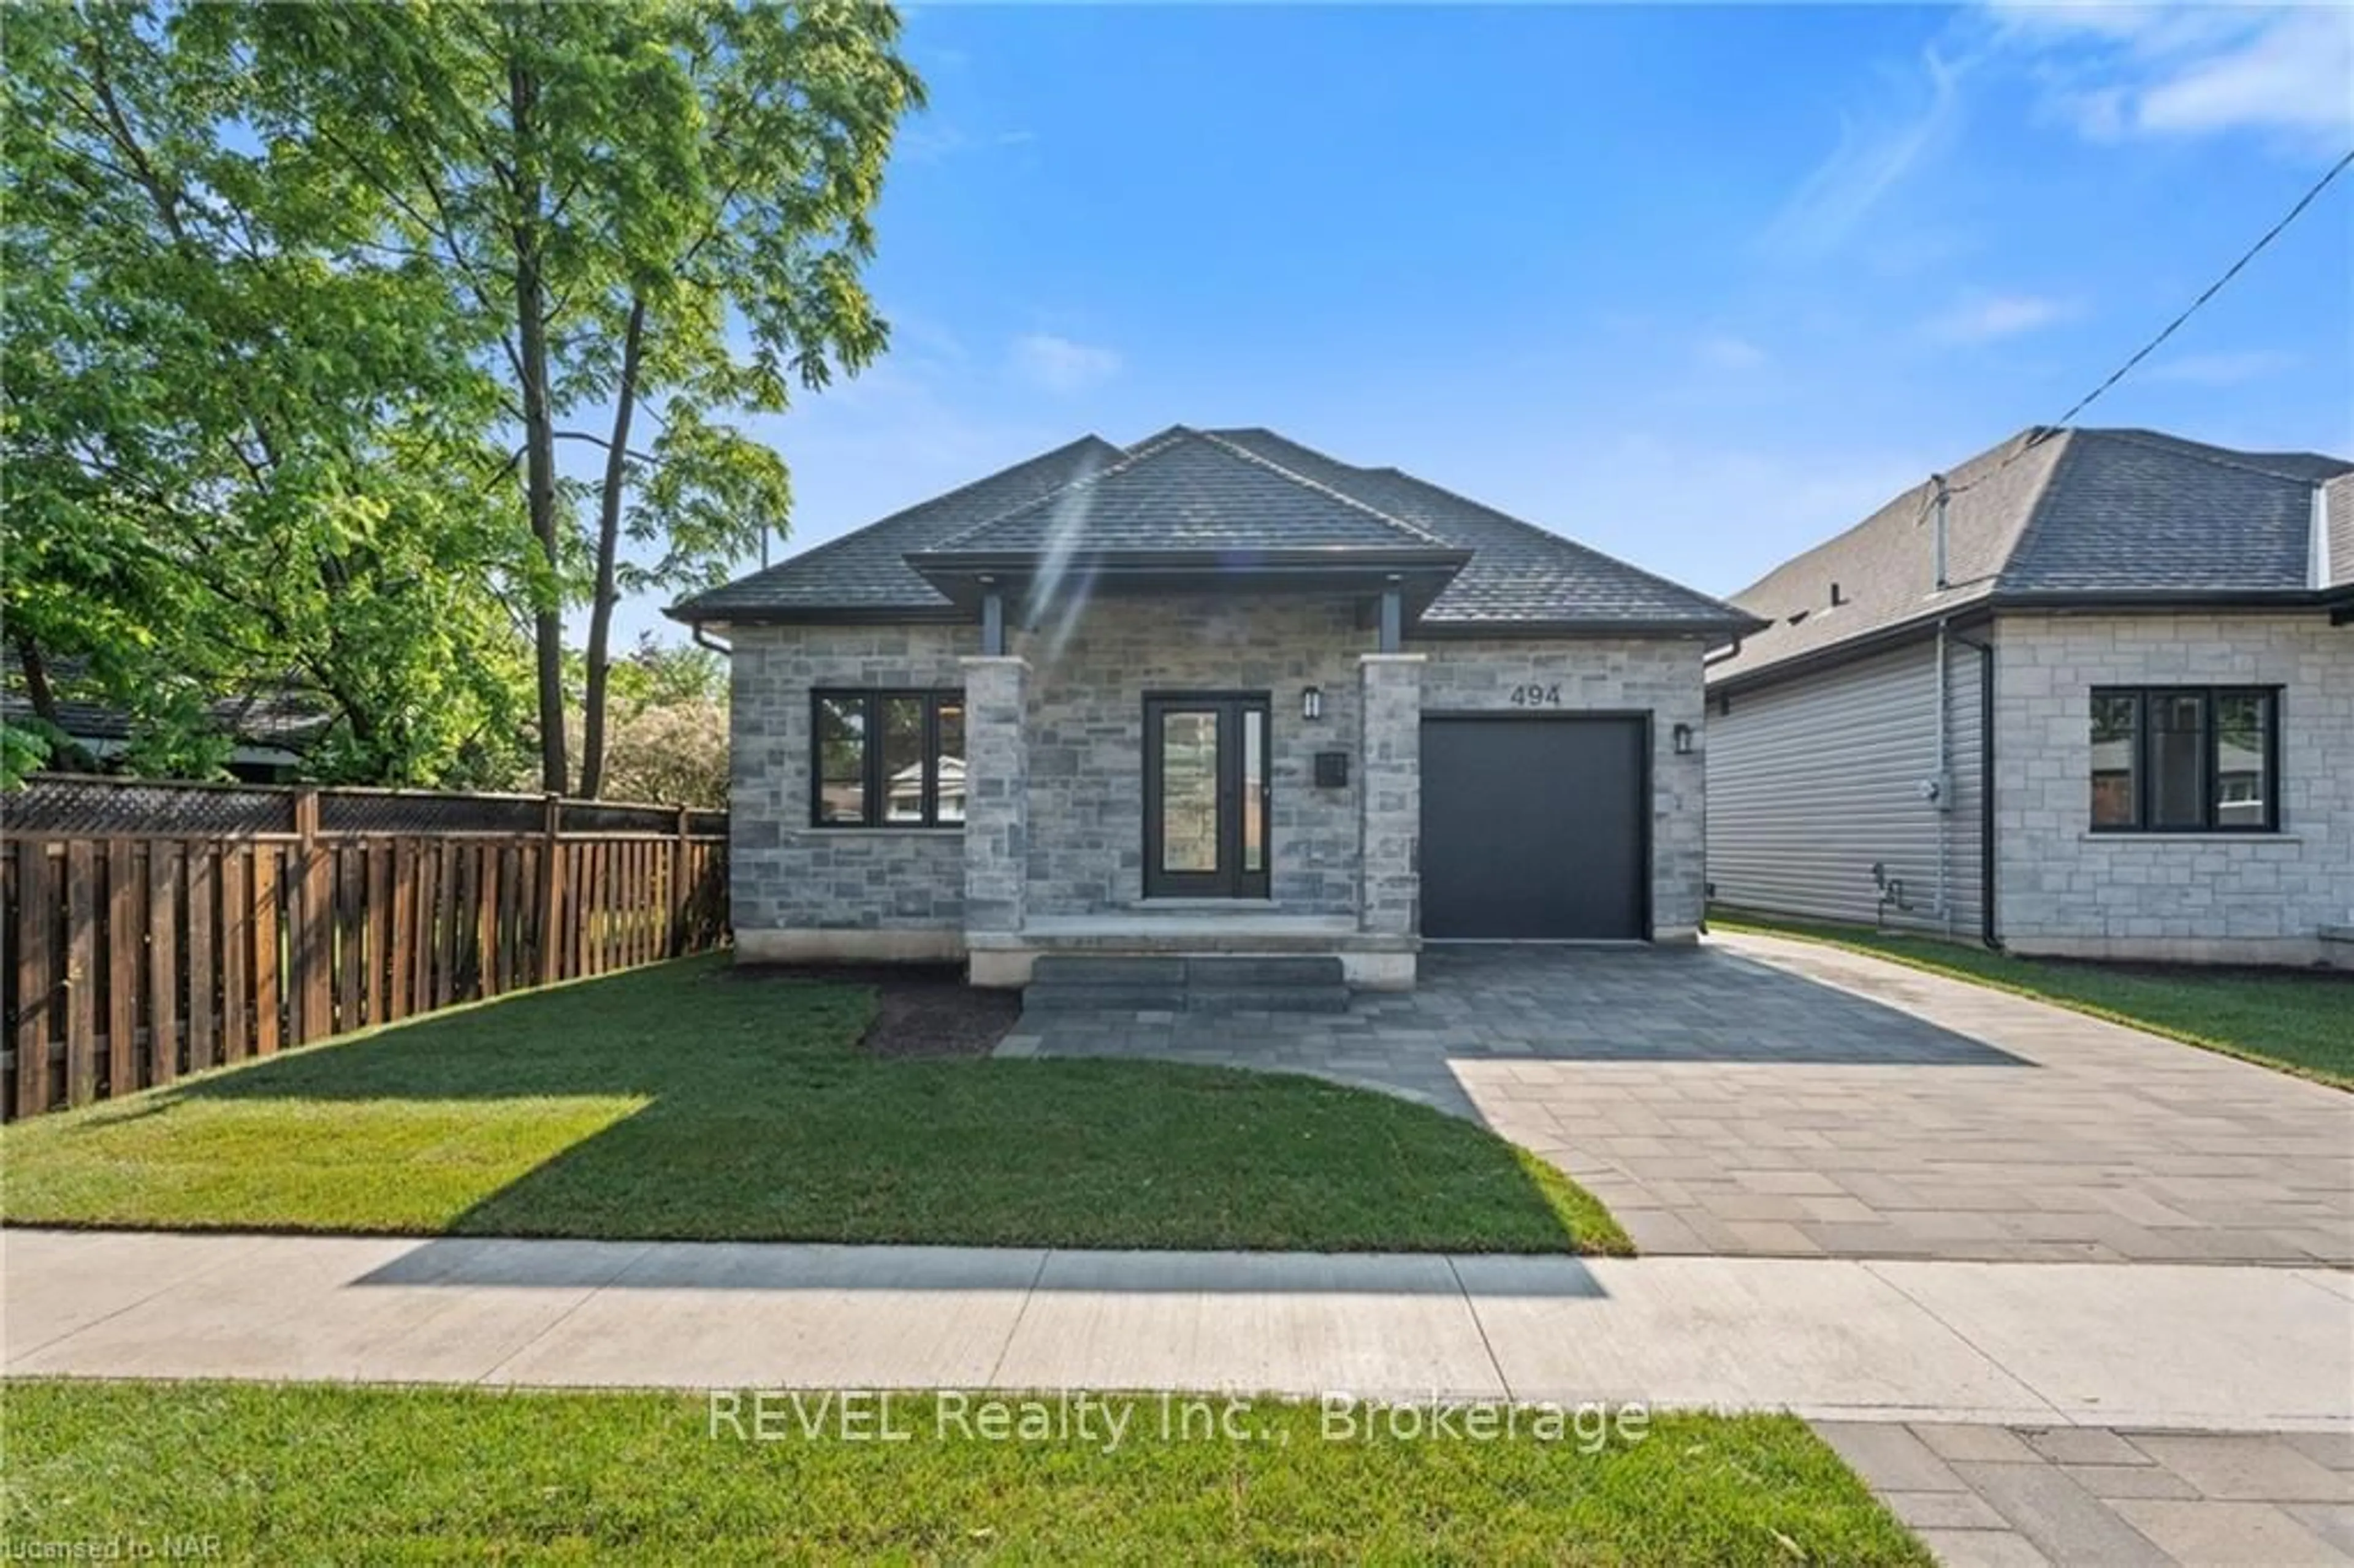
{"points": [[1335, 850], [1088, 686], [784, 875], [1660, 676], [2061, 888], [997, 793], [1389, 793]]}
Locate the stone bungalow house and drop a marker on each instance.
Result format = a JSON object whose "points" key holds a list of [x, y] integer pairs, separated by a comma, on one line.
{"points": [[2090, 693], [1211, 692]]}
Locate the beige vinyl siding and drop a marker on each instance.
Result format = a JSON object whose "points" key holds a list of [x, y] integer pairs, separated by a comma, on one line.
{"points": [[1813, 780]]}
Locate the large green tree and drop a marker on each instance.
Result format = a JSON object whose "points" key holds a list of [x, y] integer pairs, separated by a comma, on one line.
{"points": [[244, 442], [659, 212]]}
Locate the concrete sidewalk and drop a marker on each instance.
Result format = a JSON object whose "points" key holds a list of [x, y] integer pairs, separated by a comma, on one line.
{"points": [[2145, 1345]]}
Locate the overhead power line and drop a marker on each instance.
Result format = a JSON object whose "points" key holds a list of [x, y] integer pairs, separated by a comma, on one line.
{"points": [[2213, 289], [2145, 350]]}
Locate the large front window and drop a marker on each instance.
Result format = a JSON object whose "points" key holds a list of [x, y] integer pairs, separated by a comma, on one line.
{"points": [[887, 759], [2186, 759]]}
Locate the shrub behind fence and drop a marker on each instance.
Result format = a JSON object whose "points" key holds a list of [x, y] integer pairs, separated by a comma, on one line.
{"points": [[155, 930]]}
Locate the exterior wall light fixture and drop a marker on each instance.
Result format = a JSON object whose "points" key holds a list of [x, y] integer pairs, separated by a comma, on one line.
{"points": [[1683, 739], [1311, 703]]}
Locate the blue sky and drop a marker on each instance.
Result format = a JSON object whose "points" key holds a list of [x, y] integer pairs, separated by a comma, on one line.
{"points": [[1697, 286]]}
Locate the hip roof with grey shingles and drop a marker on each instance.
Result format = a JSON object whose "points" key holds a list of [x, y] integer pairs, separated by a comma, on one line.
{"points": [[2053, 516], [1191, 490], [1223, 494]]}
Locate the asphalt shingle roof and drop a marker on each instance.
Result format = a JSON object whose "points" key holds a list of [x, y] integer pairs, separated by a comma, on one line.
{"points": [[1218, 491], [1185, 489], [867, 569], [1519, 572], [2060, 514]]}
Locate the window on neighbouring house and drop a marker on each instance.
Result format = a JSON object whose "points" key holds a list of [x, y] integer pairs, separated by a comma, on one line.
{"points": [[887, 759], [2186, 759]]}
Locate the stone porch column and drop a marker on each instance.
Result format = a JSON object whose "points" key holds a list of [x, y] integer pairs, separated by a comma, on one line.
{"points": [[1389, 793], [996, 792]]}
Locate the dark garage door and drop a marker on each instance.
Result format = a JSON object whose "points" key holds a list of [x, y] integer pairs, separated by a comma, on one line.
{"points": [[1533, 828]]}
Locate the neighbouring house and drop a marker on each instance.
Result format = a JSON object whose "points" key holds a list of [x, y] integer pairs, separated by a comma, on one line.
{"points": [[2090, 693], [270, 728], [1215, 692]]}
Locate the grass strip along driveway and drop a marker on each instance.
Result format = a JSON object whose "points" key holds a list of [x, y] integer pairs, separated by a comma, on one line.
{"points": [[683, 1102], [2293, 1020], [320, 1474]]}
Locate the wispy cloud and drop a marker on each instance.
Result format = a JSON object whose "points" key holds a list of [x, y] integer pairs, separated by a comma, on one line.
{"points": [[1983, 317], [1876, 151], [1060, 365], [1723, 351], [934, 141], [2117, 71], [2222, 369]]}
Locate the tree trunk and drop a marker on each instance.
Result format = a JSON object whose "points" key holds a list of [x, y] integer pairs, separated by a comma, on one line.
{"points": [[608, 545], [37, 678], [540, 427]]}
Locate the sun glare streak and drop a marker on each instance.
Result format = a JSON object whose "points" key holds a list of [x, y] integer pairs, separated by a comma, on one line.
{"points": [[1049, 599]]}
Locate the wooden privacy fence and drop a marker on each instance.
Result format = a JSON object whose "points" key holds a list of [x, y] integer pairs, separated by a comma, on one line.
{"points": [[156, 929]]}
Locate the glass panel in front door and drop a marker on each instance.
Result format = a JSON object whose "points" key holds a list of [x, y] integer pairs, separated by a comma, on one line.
{"points": [[1189, 790], [1253, 788]]}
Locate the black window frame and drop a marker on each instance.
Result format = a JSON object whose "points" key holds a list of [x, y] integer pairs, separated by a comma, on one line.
{"points": [[873, 791], [2209, 790]]}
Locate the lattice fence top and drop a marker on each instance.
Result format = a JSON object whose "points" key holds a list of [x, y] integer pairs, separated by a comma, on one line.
{"points": [[70, 806], [405, 812], [602, 817], [77, 806]]}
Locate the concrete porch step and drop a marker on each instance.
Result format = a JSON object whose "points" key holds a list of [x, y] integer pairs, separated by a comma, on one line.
{"points": [[1267, 998], [1179, 969], [1064, 982], [1107, 970]]}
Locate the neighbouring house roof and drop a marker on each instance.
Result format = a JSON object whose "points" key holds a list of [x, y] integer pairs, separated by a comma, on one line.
{"points": [[2062, 518], [279, 718], [1225, 496]]}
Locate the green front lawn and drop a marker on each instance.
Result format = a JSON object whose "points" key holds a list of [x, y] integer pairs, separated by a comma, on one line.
{"points": [[2295, 1021], [686, 1102], [320, 1474]]}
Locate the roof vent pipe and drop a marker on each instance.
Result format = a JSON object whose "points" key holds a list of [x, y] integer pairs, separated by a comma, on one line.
{"points": [[1939, 480]]}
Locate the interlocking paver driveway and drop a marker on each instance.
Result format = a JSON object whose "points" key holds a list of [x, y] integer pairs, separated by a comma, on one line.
{"points": [[1764, 1097], [2095, 1495]]}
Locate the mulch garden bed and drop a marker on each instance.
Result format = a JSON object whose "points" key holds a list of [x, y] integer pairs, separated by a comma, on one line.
{"points": [[924, 1010]]}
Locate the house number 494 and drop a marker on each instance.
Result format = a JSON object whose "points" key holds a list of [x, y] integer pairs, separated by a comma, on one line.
{"points": [[1537, 696]]}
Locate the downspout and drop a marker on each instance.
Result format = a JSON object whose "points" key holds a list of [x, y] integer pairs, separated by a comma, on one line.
{"points": [[705, 640], [1944, 773], [1943, 778], [1987, 928]]}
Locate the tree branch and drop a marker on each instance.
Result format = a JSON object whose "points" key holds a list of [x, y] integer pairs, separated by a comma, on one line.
{"points": [[633, 455]]}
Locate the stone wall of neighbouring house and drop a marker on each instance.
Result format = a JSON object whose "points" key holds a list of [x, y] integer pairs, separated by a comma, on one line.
{"points": [[791, 885], [2061, 888], [1087, 685], [1660, 676]]}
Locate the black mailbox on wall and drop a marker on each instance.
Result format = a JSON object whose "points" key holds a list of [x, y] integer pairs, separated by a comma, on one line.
{"points": [[1332, 770]]}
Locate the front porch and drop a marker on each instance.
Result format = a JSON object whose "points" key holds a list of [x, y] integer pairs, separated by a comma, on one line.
{"points": [[1062, 796]]}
